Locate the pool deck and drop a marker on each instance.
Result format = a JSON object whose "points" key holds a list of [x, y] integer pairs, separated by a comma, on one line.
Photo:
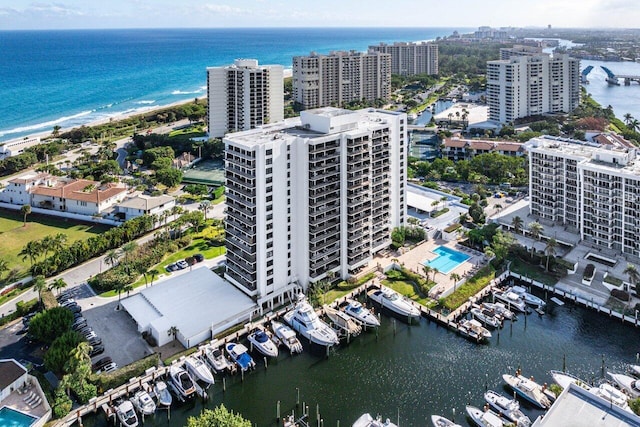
{"points": [[16, 401]]}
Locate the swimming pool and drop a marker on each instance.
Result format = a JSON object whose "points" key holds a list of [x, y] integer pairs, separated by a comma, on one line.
{"points": [[447, 259], [11, 418]]}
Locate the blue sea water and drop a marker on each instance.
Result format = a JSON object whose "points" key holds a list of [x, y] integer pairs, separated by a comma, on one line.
{"points": [[74, 77]]}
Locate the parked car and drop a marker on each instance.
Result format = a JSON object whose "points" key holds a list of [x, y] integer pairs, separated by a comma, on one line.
{"points": [[182, 264], [101, 363], [84, 330], [198, 257], [79, 325], [73, 308], [77, 315], [171, 267], [90, 334], [96, 350], [68, 302], [110, 367], [94, 341]]}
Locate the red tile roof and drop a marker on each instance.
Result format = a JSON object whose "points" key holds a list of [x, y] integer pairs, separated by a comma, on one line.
{"points": [[82, 190]]}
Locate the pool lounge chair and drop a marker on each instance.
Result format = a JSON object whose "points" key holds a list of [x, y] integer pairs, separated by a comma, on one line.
{"points": [[36, 403], [30, 396]]}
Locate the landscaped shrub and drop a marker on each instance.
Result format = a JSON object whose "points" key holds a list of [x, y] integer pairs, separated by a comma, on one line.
{"points": [[471, 287], [121, 376], [58, 354], [50, 324], [589, 271], [620, 294]]}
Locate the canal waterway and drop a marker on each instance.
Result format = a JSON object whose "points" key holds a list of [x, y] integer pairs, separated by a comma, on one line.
{"points": [[414, 371]]}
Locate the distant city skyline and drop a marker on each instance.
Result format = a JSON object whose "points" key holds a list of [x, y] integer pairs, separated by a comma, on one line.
{"points": [[80, 14]]}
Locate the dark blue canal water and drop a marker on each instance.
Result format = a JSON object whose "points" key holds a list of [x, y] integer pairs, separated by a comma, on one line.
{"points": [[414, 371]]}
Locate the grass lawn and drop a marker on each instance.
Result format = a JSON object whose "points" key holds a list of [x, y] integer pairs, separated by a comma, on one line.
{"points": [[197, 246], [533, 272], [14, 236], [335, 294], [407, 289]]}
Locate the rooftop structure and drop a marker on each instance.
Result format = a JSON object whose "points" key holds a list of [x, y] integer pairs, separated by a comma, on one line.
{"points": [[312, 196], [340, 77], [408, 59], [145, 205]]}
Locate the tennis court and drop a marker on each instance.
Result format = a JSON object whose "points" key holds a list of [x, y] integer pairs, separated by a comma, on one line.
{"points": [[208, 172]]}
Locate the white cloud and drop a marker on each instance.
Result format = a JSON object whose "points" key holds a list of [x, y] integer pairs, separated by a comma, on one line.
{"points": [[223, 9], [57, 9]]}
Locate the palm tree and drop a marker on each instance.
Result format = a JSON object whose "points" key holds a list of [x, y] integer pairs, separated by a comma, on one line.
{"points": [[443, 200], [634, 125], [4, 266], [152, 274], [634, 276], [111, 258], [427, 270], [58, 284], [435, 273], [56, 131], [31, 251], [550, 250], [535, 229], [128, 249], [173, 332], [39, 284], [25, 210], [517, 224], [628, 118], [204, 207], [455, 278]]}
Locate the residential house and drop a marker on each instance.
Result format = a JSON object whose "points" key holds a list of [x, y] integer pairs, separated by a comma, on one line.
{"points": [[18, 190], [144, 205], [81, 196], [465, 149]]}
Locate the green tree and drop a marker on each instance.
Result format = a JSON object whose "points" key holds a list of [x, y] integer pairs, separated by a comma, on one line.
{"points": [[25, 210], [628, 118], [204, 207], [56, 131], [550, 250], [50, 324], [517, 223], [58, 285], [218, 417], [31, 251], [535, 230], [39, 285], [173, 332], [111, 258], [169, 176], [634, 276]]}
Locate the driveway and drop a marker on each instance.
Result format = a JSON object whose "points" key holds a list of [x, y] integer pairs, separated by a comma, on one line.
{"points": [[14, 344]]}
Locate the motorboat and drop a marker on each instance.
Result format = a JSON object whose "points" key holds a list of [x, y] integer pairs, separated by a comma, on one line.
{"points": [[440, 421], [635, 370], [304, 320], [484, 418], [181, 382], [528, 390], [629, 384], [501, 310], [342, 321], [198, 370], [163, 397], [126, 415], [563, 380], [612, 395], [363, 315], [366, 420], [511, 299], [263, 343], [216, 359], [528, 297], [391, 300], [486, 317], [508, 408], [474, 330], [287, 336], [240, 355], [143, 403]]}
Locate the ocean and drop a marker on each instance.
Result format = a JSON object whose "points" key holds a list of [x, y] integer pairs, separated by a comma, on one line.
{"points": [[74, 77]]}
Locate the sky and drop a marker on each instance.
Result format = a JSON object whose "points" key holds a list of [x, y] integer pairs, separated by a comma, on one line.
{"points": [[76, 14]]}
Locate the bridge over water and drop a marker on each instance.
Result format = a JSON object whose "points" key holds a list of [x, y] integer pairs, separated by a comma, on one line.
{"points": [[613, 78]]}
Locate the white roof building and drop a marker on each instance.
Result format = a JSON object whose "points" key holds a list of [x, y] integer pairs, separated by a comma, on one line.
{"points": [[199, 304]]}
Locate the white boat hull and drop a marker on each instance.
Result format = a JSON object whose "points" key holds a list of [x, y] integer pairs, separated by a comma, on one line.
{"points": [[287, 336], [392, 301]]}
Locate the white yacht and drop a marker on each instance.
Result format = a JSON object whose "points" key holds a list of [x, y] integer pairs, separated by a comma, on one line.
{"points": [[508, 408], [612, 395], [484, 419], [163, 397], [500, 309], [486, 317], [263, 343], [528, 297], [563, 380], [390, 299], [440, 421], [473, 330], [198, 370], [635, 370], [529, 390], [628, 384], [342, 321], [366, 420], [143, 403], [363, 315], [304, 320], [126, 415], [217, 360], [511, 299], [287, 336], [181, 382], [240, 355]]}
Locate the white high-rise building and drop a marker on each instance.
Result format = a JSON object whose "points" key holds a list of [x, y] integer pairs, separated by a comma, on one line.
{"points": [[409, 59], [243, 96], [312, 196], [532, 84], [594, 190], [340, 77]]}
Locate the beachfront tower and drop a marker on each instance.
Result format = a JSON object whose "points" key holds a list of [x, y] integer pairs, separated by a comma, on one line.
{"points": [[312, 196], [243, 96], [409, 59]]}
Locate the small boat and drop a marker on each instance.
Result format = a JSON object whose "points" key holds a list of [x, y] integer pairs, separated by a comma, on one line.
{"points": [[634, 370], [341, 320], [439, 421], [263, 343], [304, 320], [528, 389], [528, 297], [143, 403], [484, 418], [563, 380], [366, 420], [625, 382], [512, 300], [182, 383], [485, 316], [163, 397], [198, 370], [612, 395], [500, 309], [390, 299], [363, 315], [508, 408], [240, 355], [126, 415], [287, 336], [216, 359], [474, 330]]}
